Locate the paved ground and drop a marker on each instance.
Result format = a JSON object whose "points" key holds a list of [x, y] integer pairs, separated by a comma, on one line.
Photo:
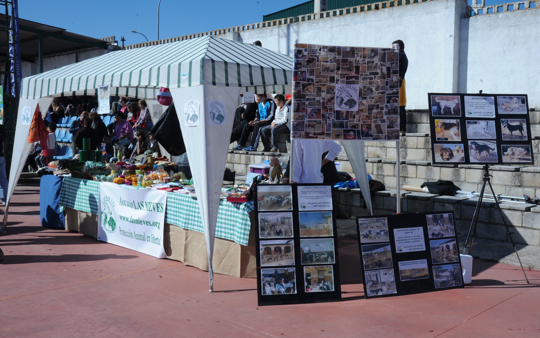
{"points": [[58, 284]]}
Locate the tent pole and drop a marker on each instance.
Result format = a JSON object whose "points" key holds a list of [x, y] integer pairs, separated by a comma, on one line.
{"points": [[3, 226], [398, 173], [291, 161]]}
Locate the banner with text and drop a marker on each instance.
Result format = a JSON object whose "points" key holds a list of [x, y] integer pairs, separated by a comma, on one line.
{"points": [[132, 218]]}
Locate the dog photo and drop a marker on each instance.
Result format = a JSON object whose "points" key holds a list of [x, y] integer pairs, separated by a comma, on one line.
{"points": [[317, 251], [380, 282], [516, 153], [483, 151], [274, 197], [512, 104], [277, 252], [275, 225], [447, 276], [377, 256], [447, 130], [319, 278], [448, 106], [278, 281], [444, 251], [514, 129], [448, 153], [314, 113], [373, 230], [413, 270], [481, 129], [440, 225]]}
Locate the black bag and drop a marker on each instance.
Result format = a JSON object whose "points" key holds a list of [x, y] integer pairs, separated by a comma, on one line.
{"points": [[330, 173], [168, 133], [441, 187], [375, 186]]}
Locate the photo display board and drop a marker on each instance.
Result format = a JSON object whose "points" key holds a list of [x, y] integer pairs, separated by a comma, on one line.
{"points": [[409, 253], [296, 243], [480, 129], [345, 93]]}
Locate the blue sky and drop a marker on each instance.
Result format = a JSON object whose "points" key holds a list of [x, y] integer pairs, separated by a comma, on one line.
{"points": [[102, 18]]}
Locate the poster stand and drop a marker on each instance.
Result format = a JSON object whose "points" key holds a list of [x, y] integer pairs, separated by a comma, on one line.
{"points": [[474, 224]]}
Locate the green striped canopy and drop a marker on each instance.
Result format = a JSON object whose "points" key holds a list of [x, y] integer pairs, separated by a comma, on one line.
{"points": [[141, 72]]}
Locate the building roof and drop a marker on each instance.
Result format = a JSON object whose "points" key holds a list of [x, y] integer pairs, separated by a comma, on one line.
{"points": [[309, 8], [55, 40]]}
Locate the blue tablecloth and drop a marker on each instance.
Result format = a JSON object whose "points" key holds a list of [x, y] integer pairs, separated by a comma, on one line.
{"points": [[49, 202]]}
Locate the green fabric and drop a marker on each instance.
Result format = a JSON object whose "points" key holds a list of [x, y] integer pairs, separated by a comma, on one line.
{"points": [[233, 218]]}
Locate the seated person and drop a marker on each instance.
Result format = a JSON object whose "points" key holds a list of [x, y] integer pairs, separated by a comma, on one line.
{"points": [[107, 148], [153, 145], [31, 163], [139, 147], [133, 113], [264, 117], [77, 124], [270, 134], [98, 125], [245, 118], [276, 171], [123, 133], [144, 122], [85, 132]]}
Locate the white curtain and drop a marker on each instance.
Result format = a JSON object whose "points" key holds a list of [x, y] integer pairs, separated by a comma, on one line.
{"points": [[207, 145], [355, 153]]}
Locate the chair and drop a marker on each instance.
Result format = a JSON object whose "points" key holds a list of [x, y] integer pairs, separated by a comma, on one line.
{"points": [[66, 156], [61, 153], [56, 132], [68, 138], [60, 122], [61, 134], [71, 120], [65, 122], [106, 119]]}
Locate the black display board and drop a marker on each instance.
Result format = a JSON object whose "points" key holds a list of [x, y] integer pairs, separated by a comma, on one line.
{"points": [[296, 244], [480, 129], [409, 253]]}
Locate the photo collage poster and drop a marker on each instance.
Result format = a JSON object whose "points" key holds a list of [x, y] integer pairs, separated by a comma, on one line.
{"points": [[296, 244], [345, 93], [409, 253], [480, 129]]}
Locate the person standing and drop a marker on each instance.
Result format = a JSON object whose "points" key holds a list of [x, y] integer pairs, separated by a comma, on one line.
{"points": [[307, 159], [399, 46], [3, 178]]}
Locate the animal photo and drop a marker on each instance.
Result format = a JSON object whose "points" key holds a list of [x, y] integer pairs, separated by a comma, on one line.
{"points": [[484, 151], [448, 153], [317, 251], [481, 129], [412, 270], [448, 130], [277, 252], [275, 225], [373, 230], [447, 276], [514, 129], [278, 281], [512, 104], [518, 153], [444, 251], [380, 282], [440, 225], [273, 198], [377, 256], [448, 106]]}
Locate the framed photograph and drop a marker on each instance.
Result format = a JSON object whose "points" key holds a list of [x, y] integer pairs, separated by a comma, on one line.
{"points": [[447, 130], [440, 225], [315, 224], [377, 256], [274, 197], [276, 225], [483, 152], [446, 106], [444, 251], [319, 278], [277, 252], [373, 230], [512, 104], [447, 276], [516, 153], [280, 281], [413, 270], [449, 153], [481, 129], [380, 282], [479, 106], [317, 251], [514, 129]]}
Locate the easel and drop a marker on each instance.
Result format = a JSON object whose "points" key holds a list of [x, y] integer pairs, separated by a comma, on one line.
{"points": [[474, 223]]}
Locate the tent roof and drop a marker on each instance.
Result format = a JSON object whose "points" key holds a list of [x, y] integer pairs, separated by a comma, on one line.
{"points": [[141, 72]]}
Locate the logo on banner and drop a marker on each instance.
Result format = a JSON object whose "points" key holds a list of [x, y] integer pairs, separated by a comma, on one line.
{"points": [[184, 76], [108, 223], [216, 111], [26, 115], [347, 97], [191, 113]]}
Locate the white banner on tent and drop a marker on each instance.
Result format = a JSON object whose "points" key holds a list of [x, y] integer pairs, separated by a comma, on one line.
{"points": [[104, 99], [132, 218]]}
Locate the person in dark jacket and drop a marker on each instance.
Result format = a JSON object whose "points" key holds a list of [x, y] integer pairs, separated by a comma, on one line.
{"points": [[98, 125], [264, 117], [403, 65], [245, 118], [77, 124], [141, 145], [85, 132], [153, 144]]}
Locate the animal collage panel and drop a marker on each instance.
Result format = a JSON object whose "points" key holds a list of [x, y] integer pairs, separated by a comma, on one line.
{"points": [[481, 128], [345, 93]]}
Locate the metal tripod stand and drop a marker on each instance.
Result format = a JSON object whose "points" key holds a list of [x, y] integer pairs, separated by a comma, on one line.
{"points": [[474, 223]]}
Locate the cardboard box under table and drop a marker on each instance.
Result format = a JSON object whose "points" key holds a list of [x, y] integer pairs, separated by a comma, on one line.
{"points": [[234, 251]]}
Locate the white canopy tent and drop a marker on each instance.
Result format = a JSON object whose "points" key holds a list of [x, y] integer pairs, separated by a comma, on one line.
{"points": [[205, 76]]}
